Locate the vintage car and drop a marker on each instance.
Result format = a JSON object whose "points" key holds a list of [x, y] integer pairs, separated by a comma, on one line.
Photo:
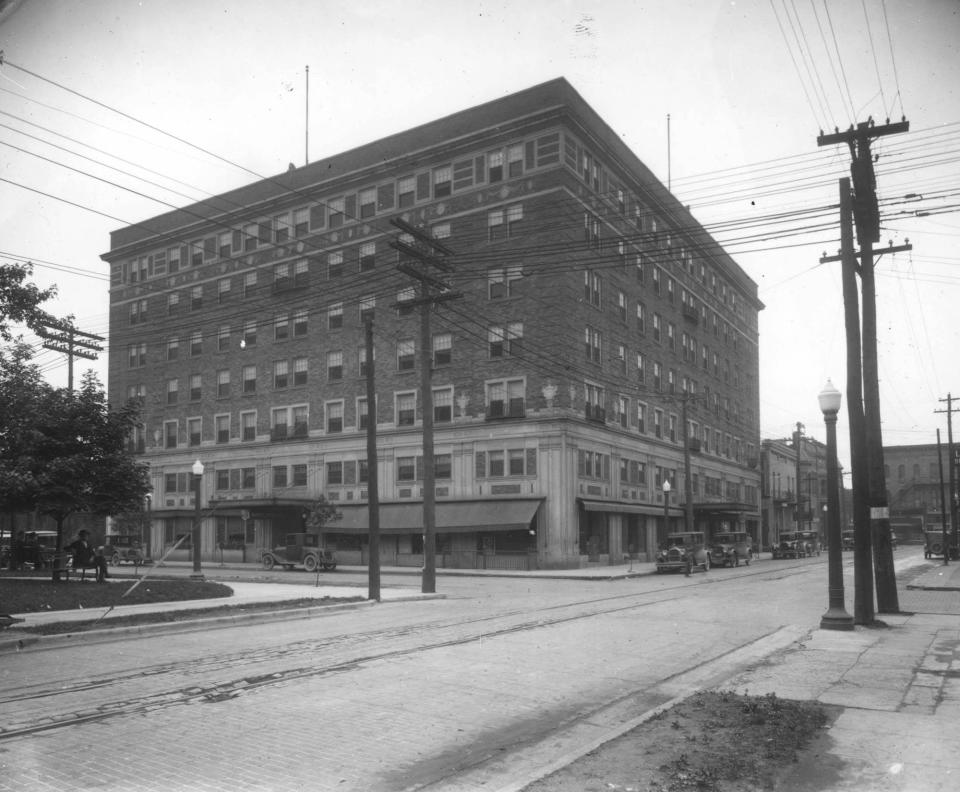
{"points": [[121, 549], [933, 544], [790, 545], [683, 551], [730, 548], [846, 540], [307, 549]]}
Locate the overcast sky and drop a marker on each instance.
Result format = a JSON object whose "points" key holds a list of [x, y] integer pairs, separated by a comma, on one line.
{"points": [[747, 85]]}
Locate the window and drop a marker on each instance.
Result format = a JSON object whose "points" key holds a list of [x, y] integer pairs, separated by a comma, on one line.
{"points": [[443, 405], [280, 373], [441, 231], [334, 416], [173, 389], [250, 237], [336, 207], [196, 388], [405, 298], [500, 281], [621, 359], [249, 283], [592, 289], [623, 411], [249, 374], [495, 227], [442, 181], [515, 160], [658, 423], [595, 400], [405, 355], [138, 312], [301, 222], [362, 360], [406, 191], [249, 333], [222, 426], [505, 340], [223, 383], [495, 166], [300, 371], [657, 377], [442, 349], [673, 428], [300, 415], [299, 475], [248, 426], [335, 316], [173, 348], [334, 473], [368, 202], [300, 322], [506, 398], [363, 414], [641, 417], [671, 336], [196, 298], [173, 260], [301, 272], [657, 327], [173, 302], [170, 432], [406, 469], [368, 256], [593, 344], [223, 290], [406, 409], [279, 475], [334, 264], [641, 367], [281, 327], [193, 431], [335, 365], [622, 306], [223, 338], [281, 228], [196, 343], [196, 253], [514, 218], [367, 306]]}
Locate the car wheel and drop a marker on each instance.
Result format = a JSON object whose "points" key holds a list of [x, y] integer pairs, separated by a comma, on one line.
{"points": [[268, 561], [115, 559], [310, 563], [936, 548]]}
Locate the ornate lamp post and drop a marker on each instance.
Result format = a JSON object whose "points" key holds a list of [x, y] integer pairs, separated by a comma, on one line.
{"points": [[666, 505], [195, 539], [836, 617]]}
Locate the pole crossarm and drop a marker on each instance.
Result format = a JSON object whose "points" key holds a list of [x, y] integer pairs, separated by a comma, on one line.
{"points": [[825, 259]]}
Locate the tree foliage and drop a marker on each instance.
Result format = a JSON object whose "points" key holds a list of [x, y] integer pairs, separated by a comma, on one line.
{"points": [[321, 512], [63, 452], [20, 300]]}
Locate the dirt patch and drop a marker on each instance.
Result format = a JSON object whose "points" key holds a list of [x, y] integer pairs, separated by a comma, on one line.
{"points": [[714, 741]]}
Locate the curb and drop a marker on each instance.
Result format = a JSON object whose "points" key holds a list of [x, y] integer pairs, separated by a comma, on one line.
{"points": [[110, 634]]}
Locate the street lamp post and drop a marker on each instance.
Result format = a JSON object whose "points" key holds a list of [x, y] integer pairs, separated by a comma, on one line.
{"points": [[666, 505], [836, 617], [195, 538]]}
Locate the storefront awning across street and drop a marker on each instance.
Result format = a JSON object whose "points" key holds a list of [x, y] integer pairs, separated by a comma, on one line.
{"points": [[618, 507], [451, 517]]}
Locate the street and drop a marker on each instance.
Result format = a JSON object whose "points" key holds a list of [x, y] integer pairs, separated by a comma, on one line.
{"points": [[467, 692]]}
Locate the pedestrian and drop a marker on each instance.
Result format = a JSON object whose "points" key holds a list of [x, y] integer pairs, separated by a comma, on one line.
{"points": [[84, 555]]}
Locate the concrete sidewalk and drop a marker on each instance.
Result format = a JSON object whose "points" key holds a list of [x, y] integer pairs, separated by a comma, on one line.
{"points": [[898, 690]]}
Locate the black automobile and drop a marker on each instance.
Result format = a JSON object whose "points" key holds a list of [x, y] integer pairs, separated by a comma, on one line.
{"points": [[124, 549], [683, 551], [730, 548]]}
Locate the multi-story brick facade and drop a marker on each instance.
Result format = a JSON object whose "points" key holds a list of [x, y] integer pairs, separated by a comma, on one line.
{"points": [[915, 495], [593, 309]]}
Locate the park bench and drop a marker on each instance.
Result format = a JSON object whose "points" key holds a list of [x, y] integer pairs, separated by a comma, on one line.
{"points": [[66, 564]]}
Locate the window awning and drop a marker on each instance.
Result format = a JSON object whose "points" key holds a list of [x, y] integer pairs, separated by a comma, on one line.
{"points": [[451, 517], [618, 507]]}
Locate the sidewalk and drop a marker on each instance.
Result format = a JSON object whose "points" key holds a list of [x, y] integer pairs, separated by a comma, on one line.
{"points": [[898, 690]]}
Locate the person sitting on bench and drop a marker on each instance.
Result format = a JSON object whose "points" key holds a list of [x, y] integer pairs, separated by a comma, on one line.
{"points": [[85, 557]]}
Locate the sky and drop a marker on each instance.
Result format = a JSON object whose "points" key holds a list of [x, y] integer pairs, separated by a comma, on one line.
{"points": [[113, 111]]}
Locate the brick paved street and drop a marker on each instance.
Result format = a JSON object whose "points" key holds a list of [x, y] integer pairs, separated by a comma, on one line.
{"points": [[395, 697]]}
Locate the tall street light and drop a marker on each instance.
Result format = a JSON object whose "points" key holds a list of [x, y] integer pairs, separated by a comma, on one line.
{"points": [[836, 617], [195, 539], [666, 506]]}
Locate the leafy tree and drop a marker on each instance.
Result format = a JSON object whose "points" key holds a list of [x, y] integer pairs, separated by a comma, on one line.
{"points": [[20, 301], [73, 458], [321, 512]]}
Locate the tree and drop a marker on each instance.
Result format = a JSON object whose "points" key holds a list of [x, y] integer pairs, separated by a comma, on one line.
{"points": [[321, 512], [73, 457], [20, 301]]}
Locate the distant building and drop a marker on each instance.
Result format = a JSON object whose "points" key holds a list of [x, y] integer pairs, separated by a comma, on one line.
{"points": [[593, 307], [912, 478]]}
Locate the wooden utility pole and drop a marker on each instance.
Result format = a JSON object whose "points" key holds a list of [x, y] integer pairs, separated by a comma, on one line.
{"points": [[64, 337], [426, 252], [866, 215], [952, 461], [373, 491]]}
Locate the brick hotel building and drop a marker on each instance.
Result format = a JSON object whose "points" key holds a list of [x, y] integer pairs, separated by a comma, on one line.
{"points": [[593, 313]]}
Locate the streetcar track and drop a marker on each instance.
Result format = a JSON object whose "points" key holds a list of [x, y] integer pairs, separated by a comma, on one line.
{"points": [[538, 618]]}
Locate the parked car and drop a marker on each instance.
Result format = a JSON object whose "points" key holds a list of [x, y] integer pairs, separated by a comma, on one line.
{"points": [[933, 544], [790, 545], [124, 549], [307, 549], [846, 540], [683, 551], [730, 548]]}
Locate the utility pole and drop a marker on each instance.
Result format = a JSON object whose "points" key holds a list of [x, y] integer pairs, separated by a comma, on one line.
{"points": [[796, 450], [863, 610], [427, 252], [867, 220], [951, 454], [373, 490], [64, 337], [943, 506]]}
